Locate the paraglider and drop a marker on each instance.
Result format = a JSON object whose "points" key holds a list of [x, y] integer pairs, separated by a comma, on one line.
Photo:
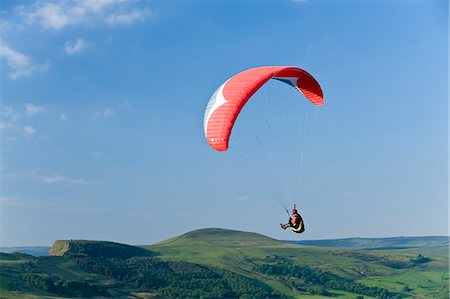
{"points": [[229, 99], [295, 222]]}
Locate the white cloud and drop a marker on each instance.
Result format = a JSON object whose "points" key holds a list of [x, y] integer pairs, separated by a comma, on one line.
{"points": [[5, 25], [13, 120], [243, 198], [14, 58], [124, 104], [10, 114], [29, 131], [96, 154], [10, 202], [7, 110], [75, 47], [51, 178], [10, 118], [20, 73], [20, 64], [129, 18], [57, 178], [58, 15], [31, 109], [352, 193], [106, 113], [4, 125]]}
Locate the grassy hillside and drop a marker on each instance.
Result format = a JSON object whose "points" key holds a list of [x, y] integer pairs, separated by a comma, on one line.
{"points": [[79, 268], [224, 263], [25, 276], [96, 249], [440, 243], [250, 254], [379, 243]]}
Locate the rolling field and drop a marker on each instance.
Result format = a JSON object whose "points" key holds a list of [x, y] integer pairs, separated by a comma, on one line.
{"points": [[243, 263], [373, 268]]}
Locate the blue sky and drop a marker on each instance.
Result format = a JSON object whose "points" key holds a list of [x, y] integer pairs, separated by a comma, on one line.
{"points": [[102, 108]]}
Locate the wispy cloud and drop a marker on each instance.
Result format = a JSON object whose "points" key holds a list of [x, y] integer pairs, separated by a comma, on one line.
{"points": [[124, 104], [243, 198], [102, 114], [56, 178], [10, 114], [20, 65], [14, 58], [29, 131], [75, 47], [4, 125], [18, 62], [129, 17], [352, 193], [96, 154], [5, 25], [58, 15], [63, 117], [15, 121], [10, 202], [8, 117], [31, 109]]}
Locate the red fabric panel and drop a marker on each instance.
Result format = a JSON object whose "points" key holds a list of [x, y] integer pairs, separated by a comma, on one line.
{"points": [[241, 87]]}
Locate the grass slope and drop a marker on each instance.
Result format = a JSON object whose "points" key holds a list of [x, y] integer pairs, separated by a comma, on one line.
{"points": [[14, 267], [379, 243], [243, 252], [79, 268], [224, 263]]}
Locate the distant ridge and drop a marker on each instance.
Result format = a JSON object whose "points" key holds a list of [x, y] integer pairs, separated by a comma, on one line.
{"points": [[234, 237], [31, 250], [379, 243]]}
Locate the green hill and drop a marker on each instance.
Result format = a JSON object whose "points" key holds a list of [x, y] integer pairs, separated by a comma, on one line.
{"points": [[80, 268], [253, 254], [96, 249], [223, 264], [219, 237], [379, 243]]}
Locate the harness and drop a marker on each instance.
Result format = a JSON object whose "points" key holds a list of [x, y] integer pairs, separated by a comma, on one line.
{"points": [[299, 227]]}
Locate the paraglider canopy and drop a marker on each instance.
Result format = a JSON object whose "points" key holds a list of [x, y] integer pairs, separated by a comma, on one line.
{"points": [[228, 100]]}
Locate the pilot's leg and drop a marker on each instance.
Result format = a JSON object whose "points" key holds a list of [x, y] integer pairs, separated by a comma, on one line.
{"points": [[284, 226]]}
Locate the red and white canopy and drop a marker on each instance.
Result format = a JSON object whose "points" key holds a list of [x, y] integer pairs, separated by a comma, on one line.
{"points": [[228, 100]]}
